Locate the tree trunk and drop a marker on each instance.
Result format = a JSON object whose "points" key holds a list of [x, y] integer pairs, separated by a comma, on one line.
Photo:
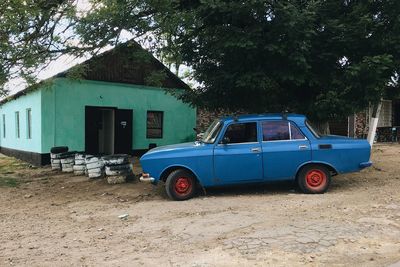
{"points": [[373, 123], [323, 127]]}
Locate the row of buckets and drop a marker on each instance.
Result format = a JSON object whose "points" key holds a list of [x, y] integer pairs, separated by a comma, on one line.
{"points": [[115, 168]]}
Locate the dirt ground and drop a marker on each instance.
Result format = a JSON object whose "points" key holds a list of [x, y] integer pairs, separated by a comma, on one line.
{"points": [[53, 219]]}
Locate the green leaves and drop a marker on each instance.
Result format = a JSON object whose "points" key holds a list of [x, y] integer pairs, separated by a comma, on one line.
{"points": [[327, 59], [30, 35]]}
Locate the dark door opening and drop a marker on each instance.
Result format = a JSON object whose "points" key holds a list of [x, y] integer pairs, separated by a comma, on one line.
{"points": [[123, 131], [108, 130]]}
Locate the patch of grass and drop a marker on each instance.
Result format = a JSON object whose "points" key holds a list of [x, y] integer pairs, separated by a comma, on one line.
{"points": [[8, 182], [11, 165]]}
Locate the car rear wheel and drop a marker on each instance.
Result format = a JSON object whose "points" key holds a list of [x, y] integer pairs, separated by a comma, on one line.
{"points": [[314, 179], [180, 185]]}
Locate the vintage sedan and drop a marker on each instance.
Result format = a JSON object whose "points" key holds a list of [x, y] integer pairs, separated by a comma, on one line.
{"points": [[255, 149]]}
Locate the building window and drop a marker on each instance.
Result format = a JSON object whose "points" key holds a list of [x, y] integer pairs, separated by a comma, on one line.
{"points": [[28, 123], [154, 124], [17, 124], [4, 125]]}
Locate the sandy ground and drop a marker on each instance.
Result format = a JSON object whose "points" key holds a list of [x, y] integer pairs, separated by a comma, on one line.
{"points": [[53, 219]]}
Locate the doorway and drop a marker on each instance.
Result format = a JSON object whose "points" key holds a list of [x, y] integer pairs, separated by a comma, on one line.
{"points": [[108, 130]]}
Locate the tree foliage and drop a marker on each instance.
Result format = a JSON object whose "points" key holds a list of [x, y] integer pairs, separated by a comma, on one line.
{"points": [[32, 32], [324, 58]]}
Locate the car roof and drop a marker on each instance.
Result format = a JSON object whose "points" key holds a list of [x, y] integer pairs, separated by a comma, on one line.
{"points": [[297, 118]]}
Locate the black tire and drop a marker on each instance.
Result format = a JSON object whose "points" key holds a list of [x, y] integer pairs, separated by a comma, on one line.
{"points": [[126, 167], [180, 185], [59, 149], [64, 155], [314, 179]]}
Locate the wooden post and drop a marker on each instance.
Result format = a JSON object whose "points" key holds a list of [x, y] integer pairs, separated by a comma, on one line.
{"points": [[373, 124]]}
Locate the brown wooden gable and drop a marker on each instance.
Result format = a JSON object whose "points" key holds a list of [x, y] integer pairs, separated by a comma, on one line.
{"points": [[130, 63]]}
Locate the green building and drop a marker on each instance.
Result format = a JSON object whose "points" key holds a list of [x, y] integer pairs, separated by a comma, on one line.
{"points": [[113, 103]]}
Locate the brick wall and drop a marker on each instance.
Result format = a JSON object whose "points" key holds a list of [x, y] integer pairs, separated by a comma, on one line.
{"points": [[206, 117], [361, 125]]}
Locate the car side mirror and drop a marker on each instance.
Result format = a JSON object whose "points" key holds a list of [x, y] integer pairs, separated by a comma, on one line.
{"points": [[225, 140]]}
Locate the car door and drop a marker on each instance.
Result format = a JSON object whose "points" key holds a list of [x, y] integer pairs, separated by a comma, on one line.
{"points": [[284, 149], [237, 157]]}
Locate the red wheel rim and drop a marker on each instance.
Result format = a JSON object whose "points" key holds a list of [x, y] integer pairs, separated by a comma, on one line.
{"points": [[183, 186], [315, 178]]}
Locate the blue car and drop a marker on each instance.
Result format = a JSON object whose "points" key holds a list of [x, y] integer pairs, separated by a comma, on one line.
{"points": [[255, 149]]}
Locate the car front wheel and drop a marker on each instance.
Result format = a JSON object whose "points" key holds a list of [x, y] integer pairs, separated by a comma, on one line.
{"points": [[180, 185], [314, 179]]}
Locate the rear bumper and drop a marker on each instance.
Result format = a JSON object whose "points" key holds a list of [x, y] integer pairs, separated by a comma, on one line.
{"points": [[364, 165]]}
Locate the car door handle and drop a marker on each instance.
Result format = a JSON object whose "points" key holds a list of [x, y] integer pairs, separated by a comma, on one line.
{"points": [[303, 147], [255, 149]]}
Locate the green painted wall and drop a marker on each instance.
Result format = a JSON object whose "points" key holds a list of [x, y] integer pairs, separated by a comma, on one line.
{"points": [[63, 112], [30, 101]]}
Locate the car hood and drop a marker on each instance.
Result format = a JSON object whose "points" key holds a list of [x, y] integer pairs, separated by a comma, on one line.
{"points": [[173, 149]]}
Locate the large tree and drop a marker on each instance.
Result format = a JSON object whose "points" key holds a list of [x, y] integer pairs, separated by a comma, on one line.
{"points": [[324, 58]]}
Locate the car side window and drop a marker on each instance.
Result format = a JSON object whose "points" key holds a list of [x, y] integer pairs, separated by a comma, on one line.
{"points": [[241, 133], [295, 132], [281, 130], [275, 130]]}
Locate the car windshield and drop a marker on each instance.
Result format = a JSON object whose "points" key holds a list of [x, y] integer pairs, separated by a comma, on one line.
{"points": [[313, 129], [212, 132]]}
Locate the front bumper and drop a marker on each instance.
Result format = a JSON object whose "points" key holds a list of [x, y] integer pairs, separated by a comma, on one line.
{"points": [[364, 165], [147, 179]]}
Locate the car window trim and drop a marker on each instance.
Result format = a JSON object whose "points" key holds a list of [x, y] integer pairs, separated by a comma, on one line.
{"points": [[287, 140], [243, 143]]}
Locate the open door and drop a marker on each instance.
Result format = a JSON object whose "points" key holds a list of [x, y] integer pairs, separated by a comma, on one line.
{"points": [[99, 130], [93, 121], [123, 131]]}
